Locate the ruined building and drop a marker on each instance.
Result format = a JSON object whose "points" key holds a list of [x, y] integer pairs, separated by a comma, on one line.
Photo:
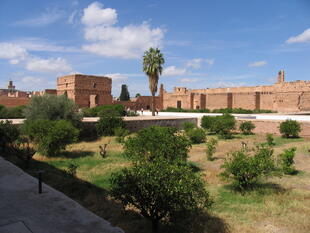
{"points": [[282, 97], [86, 90]]}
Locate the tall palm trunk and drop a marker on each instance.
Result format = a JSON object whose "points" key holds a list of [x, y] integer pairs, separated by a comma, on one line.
{"points": [[153, 104]]}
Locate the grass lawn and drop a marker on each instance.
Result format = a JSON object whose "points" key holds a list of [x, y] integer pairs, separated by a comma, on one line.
{"points": [[278, 205]]}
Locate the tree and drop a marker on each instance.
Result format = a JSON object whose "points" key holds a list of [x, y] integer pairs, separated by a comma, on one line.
{"points": [[290, 128], [138, 95], [152, 65], [8, 134], [52, 107], [50, 137], [155, 141], [124, 93], [160, 189], [245, 170], [246, 127]]}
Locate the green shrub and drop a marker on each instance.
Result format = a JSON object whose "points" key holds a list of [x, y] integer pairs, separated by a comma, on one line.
{"points": [[107, 125], [9, 133], [12, 112], [50, 137], [120, 133], [221, 125], [188, 126], [246, 127], [197, 135], [52, 107], [171, 109], [156, 141], [207, 122], [105, 110], [245, 170], [290, 128], [211, 148], [287, 161], [270, 139], [160, 190]]}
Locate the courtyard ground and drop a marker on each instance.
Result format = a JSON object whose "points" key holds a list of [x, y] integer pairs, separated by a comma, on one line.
{"points": [[278, 205]]}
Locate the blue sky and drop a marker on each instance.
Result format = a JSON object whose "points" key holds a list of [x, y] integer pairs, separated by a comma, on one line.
{"points": [[205, 43]]}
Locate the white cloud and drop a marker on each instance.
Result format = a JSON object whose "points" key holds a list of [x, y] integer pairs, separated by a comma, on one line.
{"points": [[38, 44], [107, 40], [29, 79], [72, 16], [222, 84], [48, 65], [48, 17], [14, 61], [117, 76], [12, 51], [173, 71], [257, 63], [301, 38], [196, 63], [95, 15], [189, 80]]}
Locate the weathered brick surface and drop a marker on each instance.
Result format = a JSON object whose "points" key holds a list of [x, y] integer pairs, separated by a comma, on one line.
{"points": [[13, 101], [282, 97], [86, 90]]}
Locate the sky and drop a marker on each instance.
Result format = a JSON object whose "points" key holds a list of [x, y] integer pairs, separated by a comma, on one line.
{"points": [[205, 43]]}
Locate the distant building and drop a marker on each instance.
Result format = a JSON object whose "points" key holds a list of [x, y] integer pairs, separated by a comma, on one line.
{"points": [[86, 90], [282, 97]]}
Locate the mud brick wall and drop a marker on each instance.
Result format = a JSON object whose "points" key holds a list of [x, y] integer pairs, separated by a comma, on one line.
{"points": [[272, 126], [13, 101]]}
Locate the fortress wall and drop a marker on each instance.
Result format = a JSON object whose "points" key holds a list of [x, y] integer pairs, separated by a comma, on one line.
{"points": [[13, 101], [215, 101], [304, 103], [266, 100], [287, 101], [272, 126], [244, 100], [170, 100]]}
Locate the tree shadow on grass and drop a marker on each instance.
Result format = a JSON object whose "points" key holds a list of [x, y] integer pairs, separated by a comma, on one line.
{"points": [[268, 188], [75, 154], [97, 200]]}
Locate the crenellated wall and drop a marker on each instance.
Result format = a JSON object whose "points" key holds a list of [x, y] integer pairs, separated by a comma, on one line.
{"points": [[281, 97]]}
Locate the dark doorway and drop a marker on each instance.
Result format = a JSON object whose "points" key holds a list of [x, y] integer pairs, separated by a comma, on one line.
{"points": [[179, 104]]}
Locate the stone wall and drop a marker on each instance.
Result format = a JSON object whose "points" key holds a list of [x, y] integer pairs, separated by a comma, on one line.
{"points": [[272, 126], [13, 101], [86, 90]]}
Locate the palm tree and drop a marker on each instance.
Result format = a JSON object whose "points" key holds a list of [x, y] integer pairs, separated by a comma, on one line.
{"points": [[152, 65]]}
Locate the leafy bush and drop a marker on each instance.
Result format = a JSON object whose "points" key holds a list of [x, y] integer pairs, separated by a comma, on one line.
{"points": [[171, 109], [222, 125], [207, 122], [211, 147], [107, 125], [52, 107], [188, 126], [290, 128], [197, 135], [244, 170], [241, 111], [50, 137], [8, 134], [156, 141], [105, 110], [246, 127], [120, 133], [160, 190], [12, 113], [270, 139], [287, 161]]}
